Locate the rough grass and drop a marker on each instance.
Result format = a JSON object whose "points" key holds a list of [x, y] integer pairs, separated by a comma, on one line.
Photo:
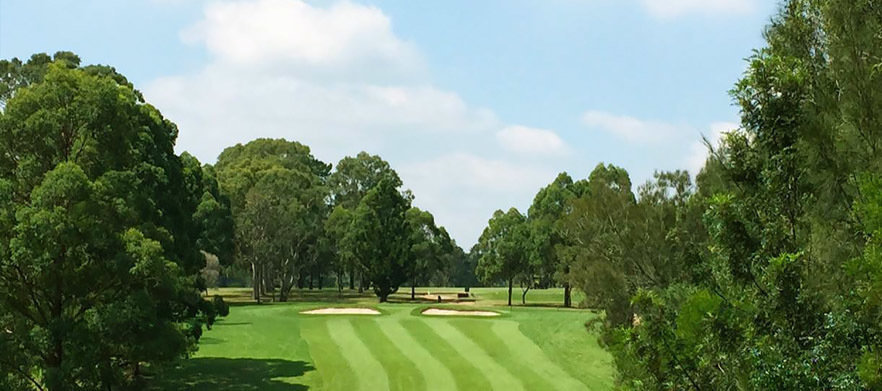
{"points": [[273, 347]]}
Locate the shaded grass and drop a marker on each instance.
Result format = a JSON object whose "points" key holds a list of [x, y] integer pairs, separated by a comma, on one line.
{"points": [[234, 374]]}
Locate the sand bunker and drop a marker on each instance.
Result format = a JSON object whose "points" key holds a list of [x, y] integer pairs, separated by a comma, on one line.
{"points": [[342, 311], [440, 312]]}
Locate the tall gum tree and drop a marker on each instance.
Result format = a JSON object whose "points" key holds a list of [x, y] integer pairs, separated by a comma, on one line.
{"points": [[381, 238], [502, 248], [352, 179], [277, 193]]}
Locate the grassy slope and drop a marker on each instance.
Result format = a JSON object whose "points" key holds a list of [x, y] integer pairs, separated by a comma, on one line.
{"points": [[272, 347]]}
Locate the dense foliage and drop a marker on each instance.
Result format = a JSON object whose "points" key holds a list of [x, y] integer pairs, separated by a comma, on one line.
{"points": [[296, 222], [782, 295], [766, 273], [100, 228]]}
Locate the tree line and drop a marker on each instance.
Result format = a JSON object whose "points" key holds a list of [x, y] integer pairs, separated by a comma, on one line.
{"points": [[765, 273], [109, 240], [298, 221]]}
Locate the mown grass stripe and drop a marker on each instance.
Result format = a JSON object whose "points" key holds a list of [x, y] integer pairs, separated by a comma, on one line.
{"points": [[465, 375], [329, 361], [499, 377], [496, 346], [403, 374], [523, 349], [369, 372], [435, 374]]}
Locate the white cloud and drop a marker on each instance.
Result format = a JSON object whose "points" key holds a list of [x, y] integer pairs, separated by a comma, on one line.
{"points": [[531, 141], [337, 79], [698, 152], [667, 9], [456, 187], [629, 128], [292, 35]]}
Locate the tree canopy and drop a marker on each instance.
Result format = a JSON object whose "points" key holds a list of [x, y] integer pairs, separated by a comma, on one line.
{"points": [[98, 255]]}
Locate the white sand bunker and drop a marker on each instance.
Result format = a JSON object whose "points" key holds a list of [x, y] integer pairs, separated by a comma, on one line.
{"points": [[440, 312], [342, 311]]}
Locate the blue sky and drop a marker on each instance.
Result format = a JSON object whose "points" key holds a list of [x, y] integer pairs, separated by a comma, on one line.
{"points": [[476, 104]]}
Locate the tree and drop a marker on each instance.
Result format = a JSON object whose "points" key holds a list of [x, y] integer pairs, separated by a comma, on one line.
{"points": [[340, 242], [352, 179], [599, 238], [462, 267], [213, 216], [785, 296], [277, 193], [549, 207], [501, 248], [381, 237], [98, 267], [428, 243]]}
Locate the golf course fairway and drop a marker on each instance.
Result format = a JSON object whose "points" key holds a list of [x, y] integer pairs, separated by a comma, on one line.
{"points": [[276, 347]]}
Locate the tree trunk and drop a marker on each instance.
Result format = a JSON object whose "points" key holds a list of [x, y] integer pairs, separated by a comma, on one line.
{"points": [[264, 287], [255, 282], [340, 282], [524, 296], [568, 300], [413, 289], [311, 286], [510, 282], [320, 278], [54, 377], [283, 291], [351, 280]]}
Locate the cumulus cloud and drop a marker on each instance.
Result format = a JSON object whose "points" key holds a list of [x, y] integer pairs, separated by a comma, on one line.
{"points": [[531, 141], [458, 186], [628, 128], [336, 77], [698, 152], [294, 36], [666, 9]]}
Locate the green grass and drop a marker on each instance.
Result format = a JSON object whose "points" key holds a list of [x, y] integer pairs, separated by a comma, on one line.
{"points": [[273, 347]]}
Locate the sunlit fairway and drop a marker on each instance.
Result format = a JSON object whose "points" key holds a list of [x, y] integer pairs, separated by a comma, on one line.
{"points": [[275, 347]]}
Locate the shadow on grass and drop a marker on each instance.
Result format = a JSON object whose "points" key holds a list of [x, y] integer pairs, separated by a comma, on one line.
{"points": [[229, 374]]}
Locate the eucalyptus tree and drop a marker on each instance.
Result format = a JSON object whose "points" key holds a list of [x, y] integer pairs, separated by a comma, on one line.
{"points": [[428, 245], [98, 254], [278, 196], [352, 179], [502, 248], [549, 207], [338, 234], [381, 237]]}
